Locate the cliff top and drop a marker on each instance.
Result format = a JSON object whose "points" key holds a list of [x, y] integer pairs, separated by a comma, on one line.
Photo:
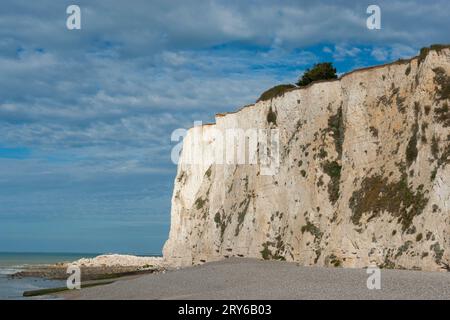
{"points": [[420, 57]]}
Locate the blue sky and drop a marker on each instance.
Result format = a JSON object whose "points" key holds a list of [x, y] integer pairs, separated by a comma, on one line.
{"points": [[86, 115]]}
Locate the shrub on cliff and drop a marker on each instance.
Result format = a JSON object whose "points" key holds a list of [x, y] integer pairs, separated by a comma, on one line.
{"points": [[320, 71]]}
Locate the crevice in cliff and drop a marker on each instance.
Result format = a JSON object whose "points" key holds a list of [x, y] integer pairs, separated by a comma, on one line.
{"points": [[411, 148], [272, 117], [443, 82], [222, 222], [333, 167]]}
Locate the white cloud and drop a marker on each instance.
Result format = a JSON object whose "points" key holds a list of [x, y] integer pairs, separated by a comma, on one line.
{"points": [[394, 52], [342, 52], [380, 54], [400, 51]]}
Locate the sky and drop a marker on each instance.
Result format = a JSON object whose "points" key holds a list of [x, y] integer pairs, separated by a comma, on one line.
{"points": [[86, 115]]}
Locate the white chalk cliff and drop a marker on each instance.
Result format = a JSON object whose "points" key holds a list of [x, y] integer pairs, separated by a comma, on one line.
{"points": [[363, 177]]}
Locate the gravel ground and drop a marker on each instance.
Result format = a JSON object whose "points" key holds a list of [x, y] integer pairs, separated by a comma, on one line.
{"points": [[240, 278]]}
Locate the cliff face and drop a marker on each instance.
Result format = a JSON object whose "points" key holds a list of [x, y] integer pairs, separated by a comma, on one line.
{"points": [[363, 177]]}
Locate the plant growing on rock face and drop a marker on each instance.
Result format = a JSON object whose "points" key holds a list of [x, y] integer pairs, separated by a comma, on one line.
{"points": [[320, 71], [377, 194], [267, 254], [332, 260], [443, 82], [442, 115], [333, 170], [411, 148], [199, 203], [241, 214], [435, 147], [438, 252], [313, 229], [408, 70], [272, 117]]}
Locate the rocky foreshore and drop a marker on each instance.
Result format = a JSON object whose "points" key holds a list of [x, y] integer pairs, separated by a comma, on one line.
{"points": [[100, 267]]}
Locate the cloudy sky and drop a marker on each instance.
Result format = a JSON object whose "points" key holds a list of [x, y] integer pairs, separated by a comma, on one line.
{"points": [[86, 115]]}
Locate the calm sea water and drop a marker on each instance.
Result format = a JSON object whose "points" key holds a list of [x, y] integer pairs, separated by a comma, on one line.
{"points": [[13, 262]]}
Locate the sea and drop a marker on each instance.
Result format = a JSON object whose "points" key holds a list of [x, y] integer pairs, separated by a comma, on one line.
{"points": [[12, 262]]}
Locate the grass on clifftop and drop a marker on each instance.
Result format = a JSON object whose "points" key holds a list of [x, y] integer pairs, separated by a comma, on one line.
{"points": [[274, 92], [326, 71], [436, 47]]}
